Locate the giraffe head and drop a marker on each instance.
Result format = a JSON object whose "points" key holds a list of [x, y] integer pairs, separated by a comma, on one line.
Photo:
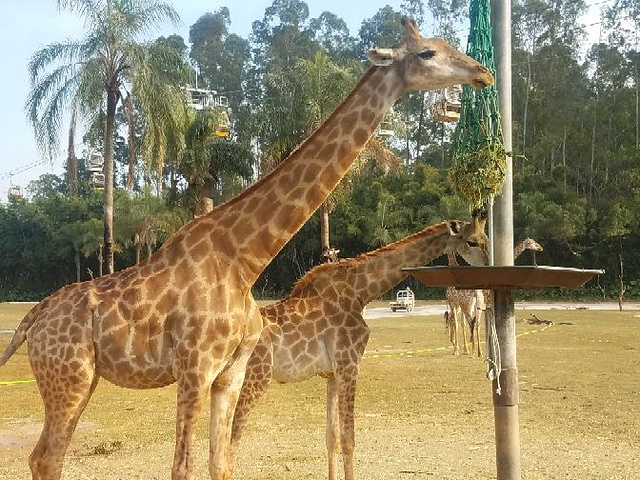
{"points": [[330, 255], [430, 63], [531, 244], [469, 239]]}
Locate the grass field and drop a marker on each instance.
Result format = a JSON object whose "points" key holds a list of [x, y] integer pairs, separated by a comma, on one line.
{"points": [[418, 416]]}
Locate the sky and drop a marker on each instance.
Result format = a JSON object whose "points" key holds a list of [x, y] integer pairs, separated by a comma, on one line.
{"points": [[28, 25]]}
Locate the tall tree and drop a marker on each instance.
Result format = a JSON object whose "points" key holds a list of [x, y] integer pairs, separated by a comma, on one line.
{"points": [[96, 71]]}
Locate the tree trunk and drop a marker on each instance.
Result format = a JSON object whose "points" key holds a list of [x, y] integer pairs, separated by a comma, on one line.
{"points": [[443, 152], [564, 159], [324, 226], [622, 288], [77, 259], [526, 106], [72, 160], [593, 156], [112, 100], [635, 66], [205, 194], [131, 139], [420, 125], [100, 260]]}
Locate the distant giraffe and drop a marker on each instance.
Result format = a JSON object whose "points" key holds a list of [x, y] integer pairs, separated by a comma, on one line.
{"points": [[467, 304], [330, 255], [463, 307], [319, 328]]}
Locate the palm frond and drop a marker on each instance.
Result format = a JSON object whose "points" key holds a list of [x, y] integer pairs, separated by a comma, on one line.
{"points": [[46, 104], [58, 53], [89, 9]]}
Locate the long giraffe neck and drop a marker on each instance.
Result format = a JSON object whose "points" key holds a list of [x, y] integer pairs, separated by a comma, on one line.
{"points": [[373, 273], [520, 248], [252, 228]]}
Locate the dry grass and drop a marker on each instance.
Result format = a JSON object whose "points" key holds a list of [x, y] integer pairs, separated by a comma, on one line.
{"points": [[12, 313], [425, 415]]}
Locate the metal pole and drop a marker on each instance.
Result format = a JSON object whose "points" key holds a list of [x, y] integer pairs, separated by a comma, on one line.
{"points": [[505, 404]]}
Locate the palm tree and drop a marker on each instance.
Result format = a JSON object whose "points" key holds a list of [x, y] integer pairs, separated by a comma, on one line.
{"points": [[98, 72], [93, 242], [145, 221]]}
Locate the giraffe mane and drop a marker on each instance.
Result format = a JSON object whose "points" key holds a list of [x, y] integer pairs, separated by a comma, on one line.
{"points": [[310, 277]]}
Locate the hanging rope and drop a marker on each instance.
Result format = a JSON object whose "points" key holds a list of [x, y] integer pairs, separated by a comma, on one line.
{"points": [[479, 158]]}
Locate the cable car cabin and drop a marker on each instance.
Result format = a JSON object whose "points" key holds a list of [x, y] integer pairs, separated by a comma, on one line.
{"points": [[447, 107], [384, 130], [96, 162], [200, 99], [446, 111], [14, 194], [221, 130], [97, 180]]}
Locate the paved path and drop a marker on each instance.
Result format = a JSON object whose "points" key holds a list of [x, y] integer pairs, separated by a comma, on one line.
{"points": [[440, 309]]}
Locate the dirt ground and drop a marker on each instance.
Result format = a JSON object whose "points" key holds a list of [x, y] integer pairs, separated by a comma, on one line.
{"points": [[419, 415]]}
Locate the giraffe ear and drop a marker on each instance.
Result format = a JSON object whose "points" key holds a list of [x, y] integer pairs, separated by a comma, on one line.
{"points": [[381, 57], [480, 215], [454, 227]]}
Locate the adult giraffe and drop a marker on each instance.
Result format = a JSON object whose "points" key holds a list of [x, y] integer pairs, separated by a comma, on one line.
{"points": [[186, 314], [319, 328]]}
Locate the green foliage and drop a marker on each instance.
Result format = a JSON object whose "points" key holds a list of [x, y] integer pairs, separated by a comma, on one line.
{"points": [[479, 175]]}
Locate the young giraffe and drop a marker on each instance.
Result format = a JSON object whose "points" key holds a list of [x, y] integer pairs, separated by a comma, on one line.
{"points": [[186, 314], [463, 305], [467, 304], [319, 330]]}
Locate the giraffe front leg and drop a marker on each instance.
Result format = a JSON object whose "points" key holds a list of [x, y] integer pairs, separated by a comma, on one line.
{"points": [[477, 349], [224, 397], [191, 396], [453, 331], [333, 427], [463, 324]]}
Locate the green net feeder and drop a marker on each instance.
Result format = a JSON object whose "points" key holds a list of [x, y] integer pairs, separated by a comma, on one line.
{"points": [[479, 158]]}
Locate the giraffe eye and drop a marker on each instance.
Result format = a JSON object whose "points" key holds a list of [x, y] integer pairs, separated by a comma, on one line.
{"points": [[427, 54], [472, 244]]}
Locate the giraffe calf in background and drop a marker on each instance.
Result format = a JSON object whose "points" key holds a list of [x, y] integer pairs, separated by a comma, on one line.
{"points": [[319, 328], [468, 305]]}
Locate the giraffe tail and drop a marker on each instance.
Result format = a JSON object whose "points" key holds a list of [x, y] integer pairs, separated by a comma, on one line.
{"points": [[20, 335]]}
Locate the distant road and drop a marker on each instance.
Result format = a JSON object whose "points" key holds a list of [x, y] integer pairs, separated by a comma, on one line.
{"points": [[434, 309], [440, 309]]}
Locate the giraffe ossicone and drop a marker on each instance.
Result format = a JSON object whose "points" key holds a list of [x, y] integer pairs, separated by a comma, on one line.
{"points": [[186, 315]]}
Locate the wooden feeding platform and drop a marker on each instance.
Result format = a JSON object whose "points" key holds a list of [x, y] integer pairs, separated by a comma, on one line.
{"points": [[502, 278]]}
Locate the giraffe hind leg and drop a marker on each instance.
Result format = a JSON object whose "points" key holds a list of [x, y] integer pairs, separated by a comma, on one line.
{"points": [[64, 397], [258, 376], [346, 385], [332, 429]]}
